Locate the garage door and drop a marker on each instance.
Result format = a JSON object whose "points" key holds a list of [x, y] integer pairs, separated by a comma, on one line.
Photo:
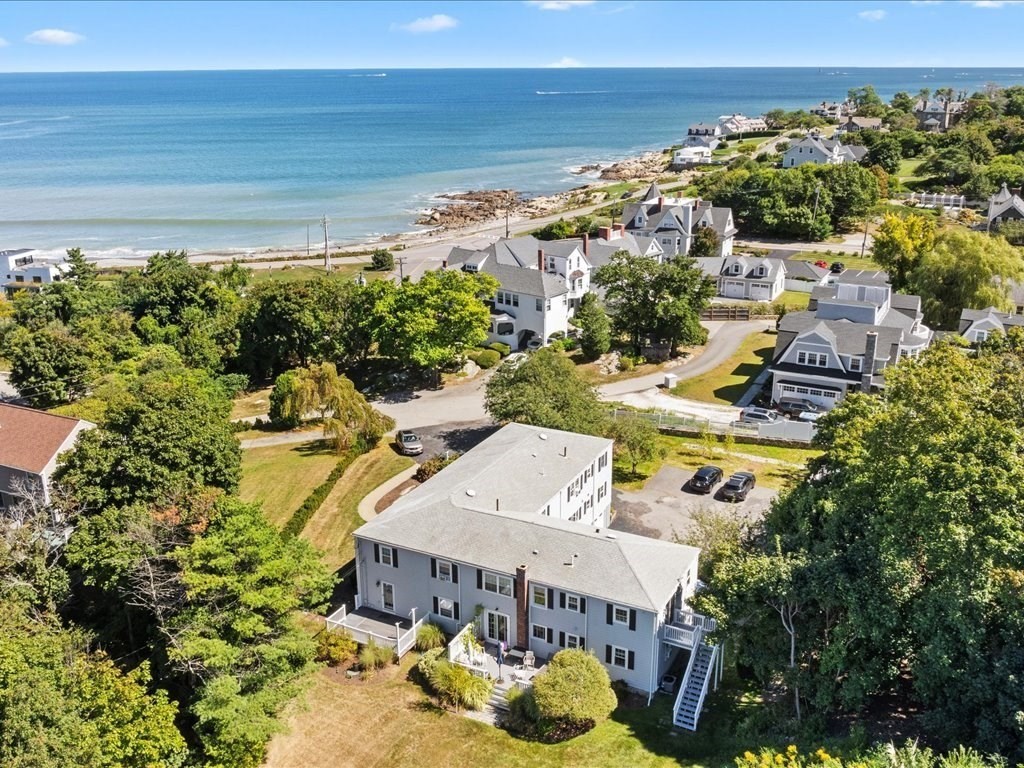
{"points": [[733, 289], [761, 292], [826, 398]]}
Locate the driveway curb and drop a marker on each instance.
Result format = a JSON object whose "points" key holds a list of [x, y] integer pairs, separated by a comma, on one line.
{"points": [[367, 507]]}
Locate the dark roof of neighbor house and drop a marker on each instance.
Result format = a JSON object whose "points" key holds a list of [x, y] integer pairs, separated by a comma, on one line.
{"points": [[865, 122], [937, 106], [969, 317], [29, 439], [719, 219], [805, 270], [849, 338], [531, 282], [749, 265]]}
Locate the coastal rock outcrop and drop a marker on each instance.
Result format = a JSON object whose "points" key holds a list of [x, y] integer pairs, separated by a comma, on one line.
{"points": [[645, 166]]}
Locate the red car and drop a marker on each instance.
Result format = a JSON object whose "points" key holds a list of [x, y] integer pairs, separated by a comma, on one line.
{"points": [[822, 264]]}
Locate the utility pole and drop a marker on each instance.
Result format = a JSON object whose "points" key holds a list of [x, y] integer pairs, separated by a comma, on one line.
{"points": [[864, 245], [400, 260], [324, 222], [814, 216], [508, 209], [307, 241]]}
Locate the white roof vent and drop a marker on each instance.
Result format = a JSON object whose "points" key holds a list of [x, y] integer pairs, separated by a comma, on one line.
{"points": [[543, 436], [610, 536], [470, 492]]}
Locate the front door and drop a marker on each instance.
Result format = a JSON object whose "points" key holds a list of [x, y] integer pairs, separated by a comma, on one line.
{"points": [[497, 627], [387, 595]]}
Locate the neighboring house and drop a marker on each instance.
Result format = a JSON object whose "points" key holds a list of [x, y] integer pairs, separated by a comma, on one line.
{"points": [[938, 116], [852, 331], [22, 270], [490, 539], [704, 142], [814, 149], [803, 276], [977, 325], [830, 110], [30, 442], [746, 277], [1004, 206], [855, 123], [689, 156], [741, 124], [674, 221], [705, 129]]}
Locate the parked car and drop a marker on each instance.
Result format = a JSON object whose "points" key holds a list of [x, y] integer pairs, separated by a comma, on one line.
{"points": [[794, 406], [837, 268], [535, 343], [705, 479], [821, 263], [811, 416], [758, 416], [738, 486], [408, 442]]}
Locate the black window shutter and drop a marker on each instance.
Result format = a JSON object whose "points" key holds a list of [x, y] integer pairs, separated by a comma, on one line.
{"points": [[455, 610], [630, 660], [551, 634], [435, 605], [479, 579], [455, 574], [607, 654], [609, 616], [583, 605], [433, 568], [632, 620], [551, 598], [583, 642], [515, 587], [561, 639], [376, 553], [394, 557], [561, 599]]}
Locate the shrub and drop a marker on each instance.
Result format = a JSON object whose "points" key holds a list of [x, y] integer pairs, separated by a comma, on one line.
{"points": [[625, 363], [432, 466], [373, 656], [573, 694], [312, 503], [502, 349], [430, 637], [485, 358], [335, 648], [428, 663], [233, 384], [382, 260], [281, 413], [456, 686]]}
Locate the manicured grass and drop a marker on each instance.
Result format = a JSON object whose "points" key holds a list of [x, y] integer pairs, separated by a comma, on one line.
{"points": [[255, 403], [330, 528], [793, 299], [852, 261], [729, 381], [775, 466], [908, 170], [291, 274], [281, 476], [389, 721]]}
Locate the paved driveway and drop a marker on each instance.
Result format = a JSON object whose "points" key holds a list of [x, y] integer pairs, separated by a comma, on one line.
{"points": [[460, 436], [662, 509]]}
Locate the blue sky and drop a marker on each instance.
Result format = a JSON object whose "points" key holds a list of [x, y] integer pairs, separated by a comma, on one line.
{"points": [[84, 36]]}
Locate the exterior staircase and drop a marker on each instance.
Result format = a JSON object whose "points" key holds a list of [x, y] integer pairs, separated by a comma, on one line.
{"points": [[694, 687], [498, 700]]}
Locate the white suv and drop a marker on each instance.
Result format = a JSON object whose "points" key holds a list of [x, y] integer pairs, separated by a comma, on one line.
{"points": [[758, 416]]}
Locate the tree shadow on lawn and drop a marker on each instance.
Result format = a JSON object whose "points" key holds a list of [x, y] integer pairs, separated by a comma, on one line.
{"points": [[748, 371], [315, 447]]}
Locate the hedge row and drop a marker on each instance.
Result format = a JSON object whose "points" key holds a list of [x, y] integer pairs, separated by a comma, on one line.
{"points": [[312, 503], [485, 358]]}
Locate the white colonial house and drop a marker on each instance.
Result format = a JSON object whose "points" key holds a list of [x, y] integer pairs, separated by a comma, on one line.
{"points": [[673, 221], [691, 155], [753, 278], [510, 545], [24, 270], [819, 151], [831, 110], [739, 123], [714, 130], [1004, 206], [852, 331]]}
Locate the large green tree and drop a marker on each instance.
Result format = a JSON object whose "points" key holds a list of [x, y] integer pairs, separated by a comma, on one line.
{"points": [[900, 243], [595, 327], [544, 390]]}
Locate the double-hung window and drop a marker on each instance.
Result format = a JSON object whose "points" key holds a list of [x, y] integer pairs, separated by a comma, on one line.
{"points": [[573, 641], [444, 570], [620, 656], [540, 596], [620, 615], [498, 584], [387, 555]]}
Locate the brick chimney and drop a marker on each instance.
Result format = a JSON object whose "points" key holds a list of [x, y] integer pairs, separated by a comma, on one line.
{"points": [[540, 259], [586, 245], [661, 202], [620, 229], [868, 369], [522, 609], [605, 233]]}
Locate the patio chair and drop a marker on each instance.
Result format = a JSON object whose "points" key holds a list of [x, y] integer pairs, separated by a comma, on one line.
{"points": [[529, 660]]}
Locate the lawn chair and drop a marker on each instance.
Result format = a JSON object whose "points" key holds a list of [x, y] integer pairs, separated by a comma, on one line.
{"points": [[529, 660]]}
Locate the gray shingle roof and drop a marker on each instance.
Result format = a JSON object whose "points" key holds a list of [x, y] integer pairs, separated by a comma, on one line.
{"points": [[531, 282], [749, 265], [521, 472], [850, 338], [969, 317], [804, 270]]}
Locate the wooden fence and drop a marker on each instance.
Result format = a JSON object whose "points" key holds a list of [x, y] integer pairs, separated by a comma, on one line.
{"points": [[725, 313]]}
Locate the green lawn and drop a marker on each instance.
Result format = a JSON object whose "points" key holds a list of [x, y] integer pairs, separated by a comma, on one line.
{"points": [[793, 299], [908, 170], [330, 528], [254, 403], [282, 476], [851, 261], [290, 274], [728, 382], [389, 721], [775, 466]]}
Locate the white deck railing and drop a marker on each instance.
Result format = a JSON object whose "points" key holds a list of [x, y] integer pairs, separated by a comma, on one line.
{"points": [[401, 641], [692, 619], [688, 637]]}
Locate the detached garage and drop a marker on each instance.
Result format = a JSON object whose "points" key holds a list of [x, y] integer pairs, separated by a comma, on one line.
{"points": [[761, 291], [734, 289]]}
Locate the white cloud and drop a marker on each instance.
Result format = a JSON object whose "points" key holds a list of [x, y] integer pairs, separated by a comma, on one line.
{"points": [[558, 5], [618, 9], [54, 37], [435, 23], [872, 15], [994, 3], [566, 62]]}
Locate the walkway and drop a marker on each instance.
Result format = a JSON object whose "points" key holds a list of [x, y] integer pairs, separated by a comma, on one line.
{"points": [[368, 505]]}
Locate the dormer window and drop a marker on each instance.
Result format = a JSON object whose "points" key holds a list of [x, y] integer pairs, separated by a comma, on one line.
{"points": [[761, 271], [855, 364], [736, 269]]}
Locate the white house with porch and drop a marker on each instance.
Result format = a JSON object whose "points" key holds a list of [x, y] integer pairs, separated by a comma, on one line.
{"points": [[513, 537], [852, 331]]}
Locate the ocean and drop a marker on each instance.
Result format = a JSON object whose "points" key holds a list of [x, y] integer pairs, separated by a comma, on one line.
{"points": [[129, 163]]}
